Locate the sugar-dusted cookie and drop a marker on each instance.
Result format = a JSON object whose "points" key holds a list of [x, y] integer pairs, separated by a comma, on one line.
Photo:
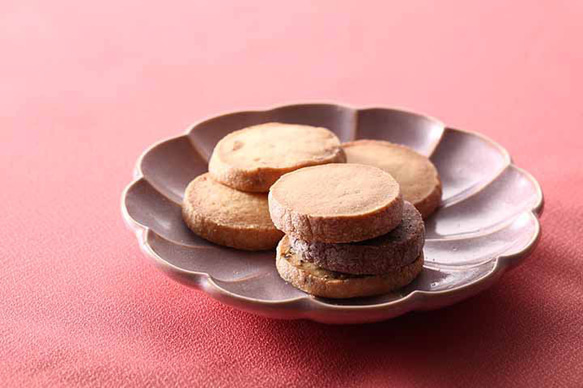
{"points": [[329, 284], [417, 176], [336, 203], [228, 217], [382, 254], [253, 158]]}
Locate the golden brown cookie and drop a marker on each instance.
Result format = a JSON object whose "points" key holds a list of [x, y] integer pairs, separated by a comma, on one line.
{"points": [[253, 158], [228, 217], [418, 177], [336, 203], [399, 247], [329, 284]]}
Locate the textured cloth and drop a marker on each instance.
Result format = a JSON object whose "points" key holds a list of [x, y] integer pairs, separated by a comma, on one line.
{"points": [[86, 86]]}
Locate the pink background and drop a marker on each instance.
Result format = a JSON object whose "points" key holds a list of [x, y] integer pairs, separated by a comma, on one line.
{"points": [[86, 86]]}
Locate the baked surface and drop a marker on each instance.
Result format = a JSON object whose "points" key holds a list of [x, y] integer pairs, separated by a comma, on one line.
{"points": [[228, 217], [336, 203], [253, 158]]}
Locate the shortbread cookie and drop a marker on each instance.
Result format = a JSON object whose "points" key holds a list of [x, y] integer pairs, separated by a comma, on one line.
{"points": [[336, 203], [228, 217], [253, 158], [329, 284], [417, 176], [383, 254]]}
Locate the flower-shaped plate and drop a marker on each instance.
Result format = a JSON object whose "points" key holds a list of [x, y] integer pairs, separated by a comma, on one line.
{"points": [[487, 222]]}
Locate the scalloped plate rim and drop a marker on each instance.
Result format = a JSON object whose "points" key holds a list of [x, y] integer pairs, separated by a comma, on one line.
{"points": [[410, 301]]}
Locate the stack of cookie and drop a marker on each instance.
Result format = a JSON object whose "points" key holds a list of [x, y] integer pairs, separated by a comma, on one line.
{"points": [[228, 205], [348, 231], [351, 229]]}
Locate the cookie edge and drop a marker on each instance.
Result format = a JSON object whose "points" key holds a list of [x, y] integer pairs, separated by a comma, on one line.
{"points": [[359, 259], [345, 288]]}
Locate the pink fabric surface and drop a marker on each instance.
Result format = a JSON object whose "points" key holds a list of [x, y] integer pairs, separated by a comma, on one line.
{"points": [[86, 86]]}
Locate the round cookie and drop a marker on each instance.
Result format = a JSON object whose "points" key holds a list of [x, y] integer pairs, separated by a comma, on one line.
{"points": [[253, 158], [329, 284], [228, 217], [418, 177], [336, 203], [380, 255]]}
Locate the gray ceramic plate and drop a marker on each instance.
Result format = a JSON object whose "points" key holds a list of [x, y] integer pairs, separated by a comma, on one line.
{"points": [[486, 225]]}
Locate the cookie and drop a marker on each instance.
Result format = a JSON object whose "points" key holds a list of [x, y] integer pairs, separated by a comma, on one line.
{"points": [[336, 203], [253, 158], [382, 254], [228, 217], [418, 177], [330, 284]]}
